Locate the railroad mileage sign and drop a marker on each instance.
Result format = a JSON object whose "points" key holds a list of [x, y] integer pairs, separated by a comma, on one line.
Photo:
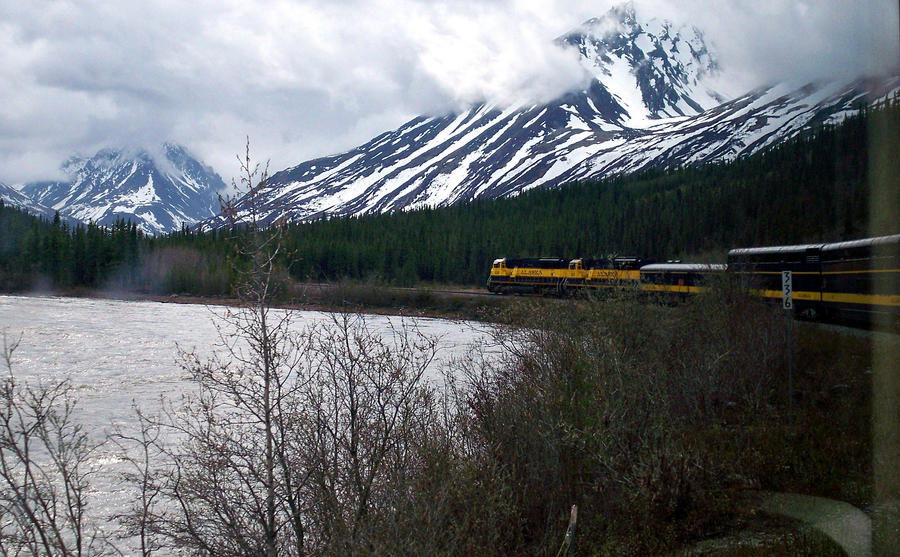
{"points": [[787, 290]]}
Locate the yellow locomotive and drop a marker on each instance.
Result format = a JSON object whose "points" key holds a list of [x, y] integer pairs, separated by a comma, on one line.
{"points": [[559, 276]]}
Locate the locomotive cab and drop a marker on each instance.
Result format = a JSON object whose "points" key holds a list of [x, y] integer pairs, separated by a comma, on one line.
{"points": [[499, 274]]}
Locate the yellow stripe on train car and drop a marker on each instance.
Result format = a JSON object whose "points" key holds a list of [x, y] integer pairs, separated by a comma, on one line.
{"points": [[603, 274], [797, 294], [775, 272], [674, 288], [517, 272], [613, 275], [892, 300], [860, 271]]}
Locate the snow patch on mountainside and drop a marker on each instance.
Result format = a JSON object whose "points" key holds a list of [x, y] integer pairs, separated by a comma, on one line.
{"points": [[486, 152]]}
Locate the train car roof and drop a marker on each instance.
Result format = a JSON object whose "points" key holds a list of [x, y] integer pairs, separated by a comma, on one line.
{"points": [[685, 267], [773, 249], [878, 241], [538, 262]]}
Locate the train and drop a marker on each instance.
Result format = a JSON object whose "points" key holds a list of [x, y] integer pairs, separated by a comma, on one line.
{"points": [[855, 281], [560, 276]]}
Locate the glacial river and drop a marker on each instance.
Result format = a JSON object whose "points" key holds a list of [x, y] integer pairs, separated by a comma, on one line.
{"points": [[121, 353]]}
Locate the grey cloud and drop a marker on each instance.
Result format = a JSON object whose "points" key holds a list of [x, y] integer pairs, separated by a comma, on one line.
{"points": [[312, 77], [767, 41]]}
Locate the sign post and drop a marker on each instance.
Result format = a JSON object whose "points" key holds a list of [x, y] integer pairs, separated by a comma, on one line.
{"points": [[787, 302]]}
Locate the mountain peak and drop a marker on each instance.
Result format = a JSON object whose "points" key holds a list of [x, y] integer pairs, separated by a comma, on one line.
{"points": [[619, 17], [160, 188], [668, 66]]}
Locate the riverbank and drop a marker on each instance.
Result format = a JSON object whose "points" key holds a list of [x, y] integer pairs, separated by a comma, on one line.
{"points": [[437, 301]]}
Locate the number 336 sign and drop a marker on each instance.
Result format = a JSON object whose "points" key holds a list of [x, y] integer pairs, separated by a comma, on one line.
{"points": [[787, 290]]}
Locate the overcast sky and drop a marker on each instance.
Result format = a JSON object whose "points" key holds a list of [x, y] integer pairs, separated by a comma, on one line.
{"points": [[307, 78]]}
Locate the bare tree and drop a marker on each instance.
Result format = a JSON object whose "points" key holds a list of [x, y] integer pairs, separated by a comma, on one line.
{"points": [[45, 470], [144, 455], [232, 482], [297, 440], [368, 411]]}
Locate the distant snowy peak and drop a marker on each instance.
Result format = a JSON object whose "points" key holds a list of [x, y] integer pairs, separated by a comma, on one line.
{"points": [[160, 189], [169, 163], [650, 68]]}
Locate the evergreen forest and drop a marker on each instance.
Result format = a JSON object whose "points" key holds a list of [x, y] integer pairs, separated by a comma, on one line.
{"points": [[812, 188]]}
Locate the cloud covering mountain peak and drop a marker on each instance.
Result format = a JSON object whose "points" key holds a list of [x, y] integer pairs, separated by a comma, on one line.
{"points": [[305, 79]]}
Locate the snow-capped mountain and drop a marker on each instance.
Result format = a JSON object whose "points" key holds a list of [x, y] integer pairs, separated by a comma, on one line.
{"points": [[159, 191], [649, 103]]}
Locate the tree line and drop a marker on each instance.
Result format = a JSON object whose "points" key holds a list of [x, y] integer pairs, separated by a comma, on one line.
{"points": [[811, 188]]}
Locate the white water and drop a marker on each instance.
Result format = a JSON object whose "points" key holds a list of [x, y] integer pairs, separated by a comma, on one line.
{"points": [[120, 353], [116, 352]]}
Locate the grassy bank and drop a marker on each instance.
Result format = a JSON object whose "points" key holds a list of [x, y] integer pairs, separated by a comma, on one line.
{"points": [[655, 419]]}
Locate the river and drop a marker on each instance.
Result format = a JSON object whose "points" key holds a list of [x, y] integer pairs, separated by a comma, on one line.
{"points": [[118, 354]]}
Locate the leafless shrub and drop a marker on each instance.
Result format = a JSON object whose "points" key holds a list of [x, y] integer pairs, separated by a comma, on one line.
{"points": [[295, 441], [233, 485], [324, 464], [45, 470], [144, 455], [367, 409], [605, 404]]}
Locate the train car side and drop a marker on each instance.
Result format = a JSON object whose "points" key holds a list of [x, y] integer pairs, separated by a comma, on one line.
{"points": [[861, 280], [855, 281], [678, 279], [759, 271]]}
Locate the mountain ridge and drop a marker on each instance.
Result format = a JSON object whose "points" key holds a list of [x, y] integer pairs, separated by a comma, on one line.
{"points": [[14, 198], [650, 103], [491, 150]]}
